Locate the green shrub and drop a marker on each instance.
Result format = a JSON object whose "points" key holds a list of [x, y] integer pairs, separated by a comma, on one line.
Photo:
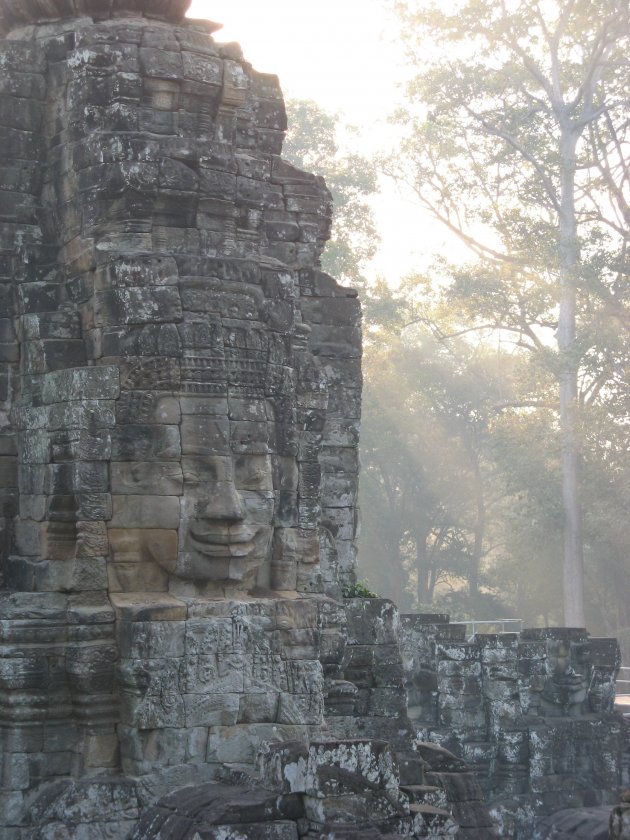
{"points": [[358, 590]]}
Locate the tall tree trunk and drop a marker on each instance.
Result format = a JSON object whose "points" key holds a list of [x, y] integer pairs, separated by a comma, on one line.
{"points": [[568, 253], [480, 526], [422, 569]]}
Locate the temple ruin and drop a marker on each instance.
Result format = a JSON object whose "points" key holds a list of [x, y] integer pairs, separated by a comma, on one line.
{"points": [[180, 391]]}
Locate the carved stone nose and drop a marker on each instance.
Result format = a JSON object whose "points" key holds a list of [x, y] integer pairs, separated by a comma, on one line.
{"points": [[223, 502]]}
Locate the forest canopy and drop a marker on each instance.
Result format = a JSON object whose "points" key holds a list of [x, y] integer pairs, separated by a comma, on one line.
{"points": [[495, 450]]}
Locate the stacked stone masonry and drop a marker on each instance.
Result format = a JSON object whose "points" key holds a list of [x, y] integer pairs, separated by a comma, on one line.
{"points": [[180, 389], [532, 714]]}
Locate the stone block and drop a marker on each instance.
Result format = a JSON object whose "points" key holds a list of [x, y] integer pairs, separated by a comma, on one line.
{"points": [[501, 691], [461, 653], [147, 607], [164, 748], [144, 511], [296, 644], [202, 68], [153, 711], [205, 637], [137, 559], [160, 63], [240, 744], [204, 405], [91, 383], [28, 538], [250, 831], [388, 703], [301, 709], [372, 621], [101, 751], [146, 442], [222, 673], [150, 639], [451, 699], [260, 708], [11, 806], [333, 768], [158, 304], [81, 445], [35, 447], [604, 652], [361, 809], [204, 436], [462, 718]]}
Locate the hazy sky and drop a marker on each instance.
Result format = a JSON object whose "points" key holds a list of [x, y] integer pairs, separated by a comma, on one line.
{"points": [[329, 50], [344, 55]]}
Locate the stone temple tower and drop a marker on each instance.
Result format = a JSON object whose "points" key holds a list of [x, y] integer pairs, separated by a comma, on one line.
{"points": [[179, 400]]}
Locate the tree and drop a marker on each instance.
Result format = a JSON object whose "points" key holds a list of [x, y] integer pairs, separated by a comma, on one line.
{"points": [[312, 143], [427, 479], [519, 143]]}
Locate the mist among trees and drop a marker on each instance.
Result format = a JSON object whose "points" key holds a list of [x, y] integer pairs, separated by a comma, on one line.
{"points": [[495, 438]]}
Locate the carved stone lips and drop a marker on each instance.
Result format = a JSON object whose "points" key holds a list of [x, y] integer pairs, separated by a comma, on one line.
{"points": [[230, 542]]}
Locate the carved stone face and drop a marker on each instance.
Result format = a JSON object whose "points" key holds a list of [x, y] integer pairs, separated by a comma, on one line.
{"points": [[222, 481], [227, 517], [228, 501]]}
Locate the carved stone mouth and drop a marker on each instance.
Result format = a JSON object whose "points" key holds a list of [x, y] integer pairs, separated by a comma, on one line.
{"points": [[221, 549], [223, 535], [234, 541]]}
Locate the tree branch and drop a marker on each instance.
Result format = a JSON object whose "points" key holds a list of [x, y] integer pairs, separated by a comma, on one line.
{"points": [[528, 156]]}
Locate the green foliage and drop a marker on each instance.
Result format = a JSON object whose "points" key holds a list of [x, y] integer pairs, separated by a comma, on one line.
{"points": [[517, 139], [358, 590], [426, 482], [448, 413], [461, 440], [312, 143]]}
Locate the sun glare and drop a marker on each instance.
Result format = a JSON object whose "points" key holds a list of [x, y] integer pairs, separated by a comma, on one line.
{"points": [[330, 51], [344, 55]]}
